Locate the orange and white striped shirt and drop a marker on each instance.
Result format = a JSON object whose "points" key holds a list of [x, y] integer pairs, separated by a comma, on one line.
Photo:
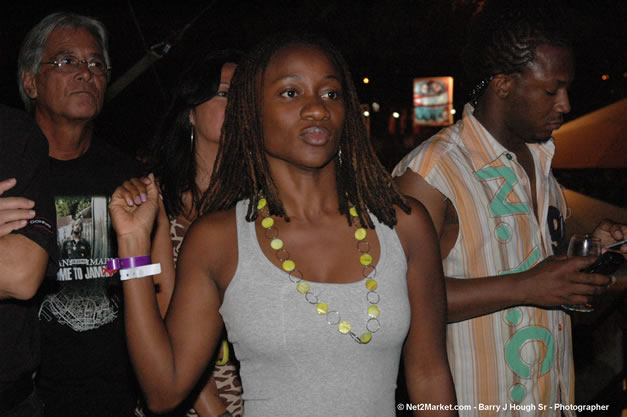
{"points": [[518, 361]]}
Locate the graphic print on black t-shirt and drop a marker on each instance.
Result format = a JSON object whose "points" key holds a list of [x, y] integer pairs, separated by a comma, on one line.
{"points": [[85, 241], [84, 237], [85, 370]]}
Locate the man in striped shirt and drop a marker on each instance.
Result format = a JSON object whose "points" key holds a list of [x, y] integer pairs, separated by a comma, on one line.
{"points": [[498, 210]]}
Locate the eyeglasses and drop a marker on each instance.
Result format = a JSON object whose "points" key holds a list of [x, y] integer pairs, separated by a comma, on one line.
{"points": [[72, 65]]}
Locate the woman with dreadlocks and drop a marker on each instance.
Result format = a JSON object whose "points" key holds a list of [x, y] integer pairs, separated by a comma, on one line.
{"points": [[320, 270]]}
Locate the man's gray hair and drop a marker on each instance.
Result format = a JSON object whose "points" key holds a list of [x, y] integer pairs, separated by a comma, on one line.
{"points": [[34, 44]]}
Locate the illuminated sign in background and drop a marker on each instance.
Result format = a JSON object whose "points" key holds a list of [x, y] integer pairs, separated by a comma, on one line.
{"points": [[433, 101]]}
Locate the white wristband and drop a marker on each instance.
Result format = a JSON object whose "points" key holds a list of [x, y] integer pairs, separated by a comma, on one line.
{"points": [[140, 271]]}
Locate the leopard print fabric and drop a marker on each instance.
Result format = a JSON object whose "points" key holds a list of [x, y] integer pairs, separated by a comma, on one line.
{"points": [[229, 389]]}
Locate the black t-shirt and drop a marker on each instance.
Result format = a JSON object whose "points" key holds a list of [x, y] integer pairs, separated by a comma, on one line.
{"points": [[24, 156], [85, 369]]}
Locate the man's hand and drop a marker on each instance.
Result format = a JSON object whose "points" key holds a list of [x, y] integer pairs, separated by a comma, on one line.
{"points": [[611, 232], [558, 280], [14, 211], [134, 207]]}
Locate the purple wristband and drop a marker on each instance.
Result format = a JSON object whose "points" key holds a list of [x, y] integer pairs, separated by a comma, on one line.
{"points": [[128, 263]]}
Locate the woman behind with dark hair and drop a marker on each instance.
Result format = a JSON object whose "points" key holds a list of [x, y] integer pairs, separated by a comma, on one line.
{"points": [[319, 313], [182, 156], [183, 151]]}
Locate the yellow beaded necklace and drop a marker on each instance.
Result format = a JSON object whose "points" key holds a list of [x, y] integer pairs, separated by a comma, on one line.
{"points": [[303, 287]]}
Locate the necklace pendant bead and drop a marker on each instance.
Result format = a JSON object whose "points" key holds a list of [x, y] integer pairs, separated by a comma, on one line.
{"points": [[374, 311], [371, 284], [267, 222], [288, 265], [365, 338], [322, 308], [302, 287], [344, 327], [276, 244], [360, 234], [365, 259]]}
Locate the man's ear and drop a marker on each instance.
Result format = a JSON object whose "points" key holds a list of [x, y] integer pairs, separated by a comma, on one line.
{"points": [[502, 85], [30, 85]]}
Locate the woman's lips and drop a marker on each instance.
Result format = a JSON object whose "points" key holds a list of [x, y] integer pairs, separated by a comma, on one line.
{"points": [[316, 135]]}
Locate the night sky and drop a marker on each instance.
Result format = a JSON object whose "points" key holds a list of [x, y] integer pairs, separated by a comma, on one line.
{"points": [[391, 42]]}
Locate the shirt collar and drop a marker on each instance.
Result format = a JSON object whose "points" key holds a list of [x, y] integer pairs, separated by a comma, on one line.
{"points": [[484, 149]]}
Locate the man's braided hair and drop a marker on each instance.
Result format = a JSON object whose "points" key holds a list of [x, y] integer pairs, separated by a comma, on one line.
{"points": [[504, 35]]}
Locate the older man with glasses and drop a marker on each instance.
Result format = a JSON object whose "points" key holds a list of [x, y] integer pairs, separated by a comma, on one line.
{"points": [[63, 70]]}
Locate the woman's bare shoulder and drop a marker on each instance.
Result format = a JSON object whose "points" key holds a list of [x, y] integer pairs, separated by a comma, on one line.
{"points": [[414, 229], [417, 217], [211, 243], [219, 222]]}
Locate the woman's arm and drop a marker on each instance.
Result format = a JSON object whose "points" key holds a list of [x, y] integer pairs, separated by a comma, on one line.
{"points": [[427, 371], [161, 253], [134, 191], [168, 358], [209, 403]]}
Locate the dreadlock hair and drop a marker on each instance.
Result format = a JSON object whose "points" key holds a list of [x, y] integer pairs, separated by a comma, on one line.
{"points": [[170, 155], [504, 35], [242, 171]]}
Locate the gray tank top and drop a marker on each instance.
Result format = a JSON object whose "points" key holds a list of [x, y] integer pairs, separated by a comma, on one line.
{"points": [[292, 363]]}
